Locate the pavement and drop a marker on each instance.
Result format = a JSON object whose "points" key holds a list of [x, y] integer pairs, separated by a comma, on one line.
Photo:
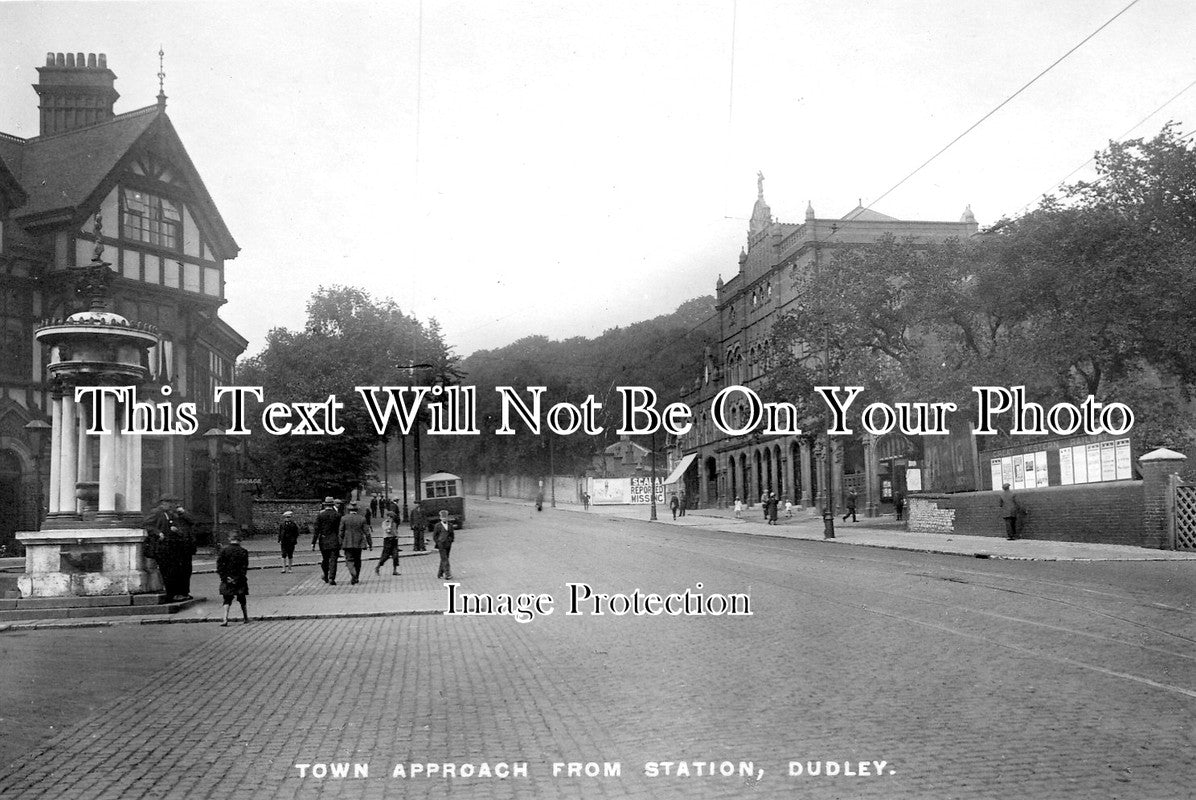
{"points": [[884, 532], [300, 594]]}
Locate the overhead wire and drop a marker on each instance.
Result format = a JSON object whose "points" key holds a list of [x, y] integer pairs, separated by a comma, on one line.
{"points": [[1005, 102], [835, 230], [1127, 132]]}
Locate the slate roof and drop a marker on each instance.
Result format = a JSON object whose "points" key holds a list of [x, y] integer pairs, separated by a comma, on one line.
{"points": [[11, 191], [62, 171]]}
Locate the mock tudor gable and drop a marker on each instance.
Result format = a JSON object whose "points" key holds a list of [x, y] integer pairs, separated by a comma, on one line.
{"points": [[125, 182]]}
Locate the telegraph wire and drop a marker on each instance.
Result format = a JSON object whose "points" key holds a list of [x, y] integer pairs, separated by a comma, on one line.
{"points": [[872, 203], [1005, 102], [1127, 132]]}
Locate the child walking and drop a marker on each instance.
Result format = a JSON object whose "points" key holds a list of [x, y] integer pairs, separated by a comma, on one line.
{"points": [[232, 565]]}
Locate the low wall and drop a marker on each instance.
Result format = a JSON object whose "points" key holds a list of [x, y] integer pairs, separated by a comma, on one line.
{"points": [[268, 513], [525, 487], [1100, 513]]}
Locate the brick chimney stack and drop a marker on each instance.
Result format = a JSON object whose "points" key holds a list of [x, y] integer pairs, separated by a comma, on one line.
{"points": [[75, 91]]}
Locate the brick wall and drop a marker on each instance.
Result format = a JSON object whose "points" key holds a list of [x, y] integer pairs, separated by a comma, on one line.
{"points": [[268, 513], [525, 487], [1106, 513]]}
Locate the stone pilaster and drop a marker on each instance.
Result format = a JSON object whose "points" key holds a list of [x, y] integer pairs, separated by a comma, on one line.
{"points": [[807, 496]]}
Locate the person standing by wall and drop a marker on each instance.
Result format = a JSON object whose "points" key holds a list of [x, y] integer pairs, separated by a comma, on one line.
{"points": [[186, 549], [442, 537], [232, 565], [390, 543], [1010, 509], [673, 504], [327, 536], [354, 535], [164, 543], [288, 537]]}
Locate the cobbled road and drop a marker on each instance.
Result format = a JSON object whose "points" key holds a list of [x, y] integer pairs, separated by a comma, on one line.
{"points": [[888, 674]]}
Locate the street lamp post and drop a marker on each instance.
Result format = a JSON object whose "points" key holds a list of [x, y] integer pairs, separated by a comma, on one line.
{"points": [[652, 490], [403, 442], [411, 368], [214, 438], [489, 422], [38, 430], [828, 508], [551, 472], [386, 466]]}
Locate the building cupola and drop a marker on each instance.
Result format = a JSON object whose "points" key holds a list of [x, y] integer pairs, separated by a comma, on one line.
{"points": [[75, 90]]}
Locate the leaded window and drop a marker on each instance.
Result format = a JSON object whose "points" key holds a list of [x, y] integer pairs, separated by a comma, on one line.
{"points": [[151, 219]]}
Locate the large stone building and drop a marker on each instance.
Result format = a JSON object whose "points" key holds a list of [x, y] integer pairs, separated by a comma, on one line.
{"points": [[163, 238], [718, 468]]}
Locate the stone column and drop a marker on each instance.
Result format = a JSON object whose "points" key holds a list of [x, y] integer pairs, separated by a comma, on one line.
{"points": [[68, 470], [1157, 468], [85, 443], [55, 454], [108, 456], [133, 473], [807, 496], [871, 473]]}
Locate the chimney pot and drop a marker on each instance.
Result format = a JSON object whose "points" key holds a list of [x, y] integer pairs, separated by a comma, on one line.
{"points": [[103, 61], [83, 97]]}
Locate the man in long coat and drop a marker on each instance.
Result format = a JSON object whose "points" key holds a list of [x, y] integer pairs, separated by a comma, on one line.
{"points": [[419, 527], [328, 536], [167, 544], [354, 535]]}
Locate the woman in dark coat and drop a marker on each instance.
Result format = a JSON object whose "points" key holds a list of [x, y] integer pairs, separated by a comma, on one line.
{"points": [[232, 565]]}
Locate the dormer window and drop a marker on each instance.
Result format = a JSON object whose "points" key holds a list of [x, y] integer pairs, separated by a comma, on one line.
{"points": [[151, 219]]}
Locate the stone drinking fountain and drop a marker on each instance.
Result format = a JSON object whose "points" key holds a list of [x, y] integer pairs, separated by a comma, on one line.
{"points": [[91, 545]]}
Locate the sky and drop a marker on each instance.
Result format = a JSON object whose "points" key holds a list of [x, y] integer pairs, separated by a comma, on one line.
{"points": [[562, 168]]}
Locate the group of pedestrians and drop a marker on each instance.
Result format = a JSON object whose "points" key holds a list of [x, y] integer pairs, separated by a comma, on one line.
{"points": [[351, 533]]}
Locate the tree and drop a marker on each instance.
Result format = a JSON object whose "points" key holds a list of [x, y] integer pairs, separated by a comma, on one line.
{"points": [[350, 339], [1090, 293]]}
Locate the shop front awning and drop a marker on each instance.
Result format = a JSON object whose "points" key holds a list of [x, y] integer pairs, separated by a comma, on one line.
{"points": [[679, 470]]}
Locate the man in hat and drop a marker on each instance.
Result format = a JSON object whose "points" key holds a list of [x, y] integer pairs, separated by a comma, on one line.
{"points": [[327, 536], [354, 534], [168, 545], [186, 526], [419, 527], [442, 537], [288, 537], [232, 565]]}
